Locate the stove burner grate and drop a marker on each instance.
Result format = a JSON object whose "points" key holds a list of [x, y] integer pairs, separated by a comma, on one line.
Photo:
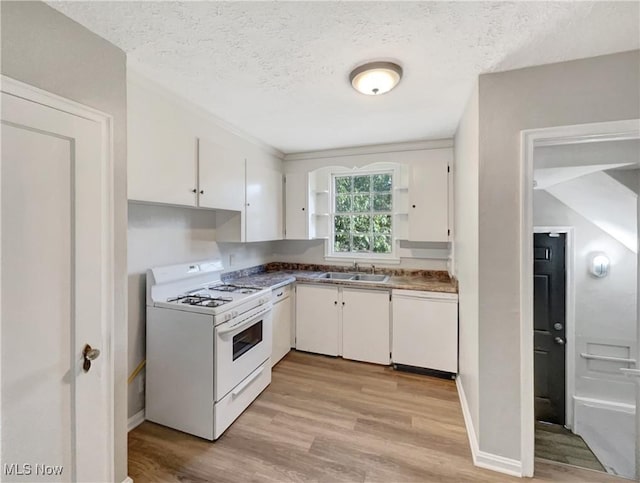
{"points": [[201, 300], [233, 288]]}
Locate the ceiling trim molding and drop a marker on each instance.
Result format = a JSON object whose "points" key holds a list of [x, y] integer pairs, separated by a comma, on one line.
{"points": [[134, 74], [372, 149]]}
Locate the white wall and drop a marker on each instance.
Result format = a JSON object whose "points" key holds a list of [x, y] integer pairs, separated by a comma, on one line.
{"points": [[427, 256], [589, 90], [465, 179], [164, 235], [42, 47]]}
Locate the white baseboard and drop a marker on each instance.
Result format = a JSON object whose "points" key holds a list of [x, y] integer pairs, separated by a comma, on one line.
{"points": [[483, 459], [128, 480], [136, 420]]}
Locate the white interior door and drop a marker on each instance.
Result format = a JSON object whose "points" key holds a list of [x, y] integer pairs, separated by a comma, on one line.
{"points": [[56, 295]]}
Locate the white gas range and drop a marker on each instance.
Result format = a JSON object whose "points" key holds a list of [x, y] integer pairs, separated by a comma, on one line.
{"points": [[208, 347]]}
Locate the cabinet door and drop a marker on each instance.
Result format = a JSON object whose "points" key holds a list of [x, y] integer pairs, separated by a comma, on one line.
{"points": [[281, 330], [220, 177], [264, 201], [161, 164], [296, 206], [425, 333], [428, 201], [365, 325], [317, 319]]}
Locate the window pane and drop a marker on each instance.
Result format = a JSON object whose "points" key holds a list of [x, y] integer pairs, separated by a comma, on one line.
{"points": [[382, 224], [382, 182], [361, 243], [362, 223], [342, 242], [361, 203], [343, 203], [341, 223], [361, 183], [382, 202], [343, 184], [381, 244]]}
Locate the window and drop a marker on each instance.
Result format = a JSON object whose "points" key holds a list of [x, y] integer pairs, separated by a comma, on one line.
{"points": [[362, 215]]}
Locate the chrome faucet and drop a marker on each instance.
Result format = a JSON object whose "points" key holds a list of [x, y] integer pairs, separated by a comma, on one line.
{"points": [[356, 267], [373, 269]]}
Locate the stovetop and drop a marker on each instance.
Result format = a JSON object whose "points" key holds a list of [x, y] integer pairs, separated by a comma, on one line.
{"points": [[197, 287]]}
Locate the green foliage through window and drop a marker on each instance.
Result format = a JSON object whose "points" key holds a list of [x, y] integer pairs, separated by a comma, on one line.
{"points": [[362, 214]]}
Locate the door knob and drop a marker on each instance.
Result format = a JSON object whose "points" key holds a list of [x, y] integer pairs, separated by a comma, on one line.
{"points": [[89, 354], [557, 326], [559, 340]]}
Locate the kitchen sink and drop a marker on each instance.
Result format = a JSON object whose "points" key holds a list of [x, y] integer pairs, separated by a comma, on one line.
{"points": [[371, 278], [358, 277], [338, 275]]}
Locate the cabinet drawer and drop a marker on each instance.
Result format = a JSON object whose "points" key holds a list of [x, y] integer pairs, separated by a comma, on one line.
{"points": [[231, 406], [281, 293]]}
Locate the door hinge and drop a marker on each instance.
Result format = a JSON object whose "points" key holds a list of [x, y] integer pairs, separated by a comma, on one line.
{"points": [[448, 169]]}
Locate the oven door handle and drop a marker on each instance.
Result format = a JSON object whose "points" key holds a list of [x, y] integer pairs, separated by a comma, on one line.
{"points": [[243, 385], [240, 325]]}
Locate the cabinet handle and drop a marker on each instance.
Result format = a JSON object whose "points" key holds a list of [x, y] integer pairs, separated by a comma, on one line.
{"points": [[343, 304], [201, 192], [194, 190], [302, 209], [413, 206], [335, 302]]}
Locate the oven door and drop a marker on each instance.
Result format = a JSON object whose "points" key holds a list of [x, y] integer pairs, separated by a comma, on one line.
{"points": [[241, 345]]}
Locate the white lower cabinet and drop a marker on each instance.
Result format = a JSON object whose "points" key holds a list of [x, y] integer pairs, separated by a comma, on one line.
{"points": [[425, 330], [282, 321], [365, 325], [350, 322], [318, 319]]}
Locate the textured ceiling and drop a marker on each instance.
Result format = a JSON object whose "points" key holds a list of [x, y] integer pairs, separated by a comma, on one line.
{"points": [[279, 71]]}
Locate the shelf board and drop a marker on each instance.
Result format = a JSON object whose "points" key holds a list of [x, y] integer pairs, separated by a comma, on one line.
{"points": [[401, 213], [401, 188], [321, 214], [321, 192]]}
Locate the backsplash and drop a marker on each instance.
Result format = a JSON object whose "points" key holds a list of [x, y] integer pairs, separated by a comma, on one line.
{"points": [[440, 275]]}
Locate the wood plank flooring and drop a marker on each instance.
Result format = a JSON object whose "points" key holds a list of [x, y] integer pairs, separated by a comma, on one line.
{"points": [[331, 420], [556, 443]]}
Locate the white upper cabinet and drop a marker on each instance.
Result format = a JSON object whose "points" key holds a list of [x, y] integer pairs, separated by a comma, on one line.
{"points": [[161, 150], [428, 201], [264, 208], [221, 176], [297, 206], [180, 155]]}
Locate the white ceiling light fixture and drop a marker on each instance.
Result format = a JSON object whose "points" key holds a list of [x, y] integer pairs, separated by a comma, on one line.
{"points": [[375, 78]]}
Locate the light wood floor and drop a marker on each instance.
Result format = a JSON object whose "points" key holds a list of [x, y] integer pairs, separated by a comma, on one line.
{"points": [[330, 420]]}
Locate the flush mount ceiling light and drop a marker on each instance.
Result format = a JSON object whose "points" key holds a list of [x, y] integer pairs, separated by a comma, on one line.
{"points": [[375, 78]]}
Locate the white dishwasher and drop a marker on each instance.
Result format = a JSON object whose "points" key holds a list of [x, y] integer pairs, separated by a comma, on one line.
{"points": [[425, 330]]}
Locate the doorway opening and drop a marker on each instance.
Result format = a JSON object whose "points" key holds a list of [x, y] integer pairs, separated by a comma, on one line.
{"points": [[582, 316]]}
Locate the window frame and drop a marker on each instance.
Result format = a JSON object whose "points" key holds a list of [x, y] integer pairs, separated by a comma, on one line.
{"points": [[330, 253]]}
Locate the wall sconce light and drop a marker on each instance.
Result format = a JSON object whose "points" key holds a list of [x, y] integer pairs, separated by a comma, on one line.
{"points": [[599, 266]]}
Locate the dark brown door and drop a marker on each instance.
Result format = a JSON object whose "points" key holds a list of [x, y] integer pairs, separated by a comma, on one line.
{"points": [[549, 326]]}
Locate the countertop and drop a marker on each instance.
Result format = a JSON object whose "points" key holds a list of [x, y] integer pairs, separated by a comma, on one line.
{"points": [[279, 278]]}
